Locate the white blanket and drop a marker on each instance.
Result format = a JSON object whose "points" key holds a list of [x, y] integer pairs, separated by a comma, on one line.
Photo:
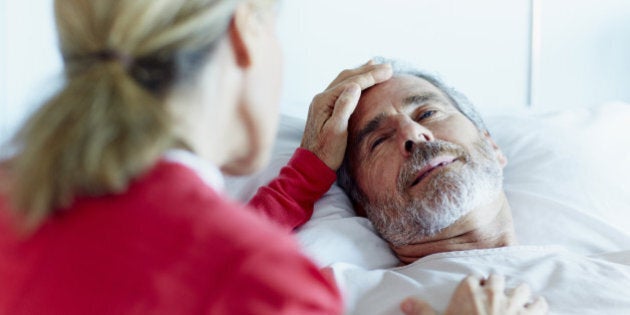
{"points": [[572, 284]]}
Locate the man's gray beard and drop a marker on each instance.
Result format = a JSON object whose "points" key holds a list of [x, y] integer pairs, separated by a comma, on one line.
{"points": [[447, 197]]}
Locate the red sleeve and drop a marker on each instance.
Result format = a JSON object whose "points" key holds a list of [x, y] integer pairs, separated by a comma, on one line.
{"points": [[289, 198]]}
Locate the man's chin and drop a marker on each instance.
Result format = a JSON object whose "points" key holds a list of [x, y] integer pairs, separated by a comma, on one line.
{"points": [[444, 229], [443, 224], [419, 227]]}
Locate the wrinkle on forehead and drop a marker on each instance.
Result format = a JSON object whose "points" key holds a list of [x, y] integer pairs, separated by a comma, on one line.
{"points": [[397, 94], [398, 85]]}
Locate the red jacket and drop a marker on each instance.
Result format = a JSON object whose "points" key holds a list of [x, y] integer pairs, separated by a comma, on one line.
{"points": [[171, 245]]}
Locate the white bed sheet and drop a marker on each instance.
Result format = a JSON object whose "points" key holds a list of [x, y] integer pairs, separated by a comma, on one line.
{"points": [[571, 283], [567, 182]]}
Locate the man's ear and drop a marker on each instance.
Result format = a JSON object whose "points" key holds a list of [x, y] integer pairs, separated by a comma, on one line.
{"points": [[242, 32], [497, 151]]}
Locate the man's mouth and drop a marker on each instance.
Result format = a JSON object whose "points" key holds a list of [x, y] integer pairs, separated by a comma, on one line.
{"points": [[433, 164]]}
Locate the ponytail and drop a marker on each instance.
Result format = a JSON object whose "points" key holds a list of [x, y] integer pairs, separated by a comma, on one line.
{"points": [[109, 123], [97, 133]]}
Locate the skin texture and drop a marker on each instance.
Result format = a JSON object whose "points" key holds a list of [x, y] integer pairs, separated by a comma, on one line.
{"points": [[411, 111]]}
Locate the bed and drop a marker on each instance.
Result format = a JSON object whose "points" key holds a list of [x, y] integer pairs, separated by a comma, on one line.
{"points": [[567, 182]]}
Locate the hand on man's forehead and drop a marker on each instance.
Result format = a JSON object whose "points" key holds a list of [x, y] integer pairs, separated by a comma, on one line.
{"points": [[401, 93]]}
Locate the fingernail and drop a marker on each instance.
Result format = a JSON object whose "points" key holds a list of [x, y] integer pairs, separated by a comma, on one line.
{"points": [[369, 62]]}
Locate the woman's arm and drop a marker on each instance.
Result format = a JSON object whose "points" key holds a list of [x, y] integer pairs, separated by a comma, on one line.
{"points": [[289, 198]]}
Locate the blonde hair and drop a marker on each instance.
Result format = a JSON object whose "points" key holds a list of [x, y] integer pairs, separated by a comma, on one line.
{"points": [[109, 123]]}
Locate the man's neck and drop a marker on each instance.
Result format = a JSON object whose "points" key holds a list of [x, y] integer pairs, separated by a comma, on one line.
{"points": [[488, 226]]}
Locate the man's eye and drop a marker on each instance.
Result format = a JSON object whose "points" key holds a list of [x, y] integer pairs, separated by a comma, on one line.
{"points": [[426, 114], [377, 142]]}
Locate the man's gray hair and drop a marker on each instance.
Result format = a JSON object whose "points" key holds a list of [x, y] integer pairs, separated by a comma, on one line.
{"points": [[345, 178]]}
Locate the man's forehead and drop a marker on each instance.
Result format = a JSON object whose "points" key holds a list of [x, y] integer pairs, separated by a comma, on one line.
{"points": [[397, 92]]}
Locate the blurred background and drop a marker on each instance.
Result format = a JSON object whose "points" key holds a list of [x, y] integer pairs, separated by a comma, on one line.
{"points": [[507, 56]]}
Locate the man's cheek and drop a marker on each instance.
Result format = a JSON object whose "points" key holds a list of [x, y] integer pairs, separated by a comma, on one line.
{"points": [[384, 175], [368, 176]]}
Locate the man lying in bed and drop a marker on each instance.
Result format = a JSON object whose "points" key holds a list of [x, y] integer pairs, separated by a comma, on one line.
{"points": [[421, 165]]}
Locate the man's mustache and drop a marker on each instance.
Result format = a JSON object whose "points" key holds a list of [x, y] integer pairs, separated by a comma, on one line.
{"points": [[422, 154]]}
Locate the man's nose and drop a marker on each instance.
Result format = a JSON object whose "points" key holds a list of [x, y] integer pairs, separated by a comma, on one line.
{"points": [[411, 134]]}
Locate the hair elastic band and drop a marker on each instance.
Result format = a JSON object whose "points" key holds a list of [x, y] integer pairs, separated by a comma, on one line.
{"points": [[104, 55], [111, 55]]}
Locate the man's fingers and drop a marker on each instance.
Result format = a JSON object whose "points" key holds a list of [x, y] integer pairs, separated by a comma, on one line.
{"points": [[494, 286], [412, 306], [496, 283], [471, 282], [539, 306], [521, 294]]}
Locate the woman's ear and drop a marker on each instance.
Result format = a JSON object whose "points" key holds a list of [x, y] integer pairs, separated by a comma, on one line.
{"points": [[499, 154], [242, 32]]}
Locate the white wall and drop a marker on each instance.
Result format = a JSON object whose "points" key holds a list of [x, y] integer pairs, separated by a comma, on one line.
{"points": [[584, 53], [479, 46], [31, 61], [3, 49]]}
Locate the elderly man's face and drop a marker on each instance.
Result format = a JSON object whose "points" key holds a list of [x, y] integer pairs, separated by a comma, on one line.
{"points": [[420, 163]]}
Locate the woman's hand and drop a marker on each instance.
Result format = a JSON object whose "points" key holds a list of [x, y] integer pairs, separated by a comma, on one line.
{"points": [[326, 130], [476, 296]]}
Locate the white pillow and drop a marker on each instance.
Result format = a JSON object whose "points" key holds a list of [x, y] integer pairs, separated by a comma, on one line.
{"points": [[566, 177], [566, 181]]}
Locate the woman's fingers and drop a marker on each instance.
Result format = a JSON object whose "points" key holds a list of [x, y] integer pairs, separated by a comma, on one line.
{"points": [[344, 106], [326, 133], [328, 141], [377, 73]]}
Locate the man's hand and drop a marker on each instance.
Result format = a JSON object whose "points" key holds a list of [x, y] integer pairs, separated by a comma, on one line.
{"points": [[476, 296], [326, 130]]}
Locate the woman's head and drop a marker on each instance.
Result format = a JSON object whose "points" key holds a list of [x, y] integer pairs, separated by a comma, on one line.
{"points": [[159, 42], [242, 81], [141, 75]]}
